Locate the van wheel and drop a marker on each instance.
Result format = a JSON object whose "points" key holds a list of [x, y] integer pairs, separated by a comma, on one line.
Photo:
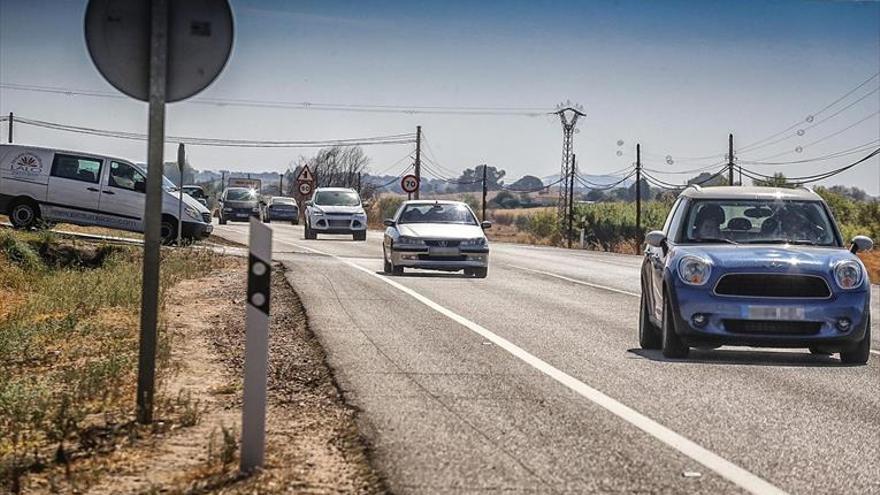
{"points": [[168, 231], [24, 214]]}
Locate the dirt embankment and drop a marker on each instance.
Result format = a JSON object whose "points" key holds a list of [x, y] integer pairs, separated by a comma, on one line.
{"points": [[313, 445]]}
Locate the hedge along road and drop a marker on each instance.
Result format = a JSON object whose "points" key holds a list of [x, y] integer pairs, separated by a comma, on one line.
{"points": [[532, 379]]}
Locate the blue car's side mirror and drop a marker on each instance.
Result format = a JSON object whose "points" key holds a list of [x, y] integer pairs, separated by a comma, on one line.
{"points": [[655, 238], [861, 243]]}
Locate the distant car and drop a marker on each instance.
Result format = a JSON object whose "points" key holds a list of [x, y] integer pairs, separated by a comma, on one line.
{"points": [[238, 204], [335, 210], [281, 208], [754, 266], [436, 235], [197, 193]]}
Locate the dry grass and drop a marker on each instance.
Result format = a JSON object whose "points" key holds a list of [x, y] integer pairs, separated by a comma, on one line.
{"points": [[871, 260], [68, 344]]}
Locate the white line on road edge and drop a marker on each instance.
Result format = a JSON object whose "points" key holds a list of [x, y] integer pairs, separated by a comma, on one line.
{"points": [[875, 352], [716, 463], [576, 281]]}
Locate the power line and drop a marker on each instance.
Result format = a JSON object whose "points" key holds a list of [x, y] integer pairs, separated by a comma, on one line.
{"points": [[816, 177], [407, 138], [548, 186], [305, 105], [800, 132], [837, 154]]}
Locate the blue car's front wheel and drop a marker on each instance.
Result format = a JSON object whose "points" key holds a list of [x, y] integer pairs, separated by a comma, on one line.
{"points": [[861, 353], [673, 347]]}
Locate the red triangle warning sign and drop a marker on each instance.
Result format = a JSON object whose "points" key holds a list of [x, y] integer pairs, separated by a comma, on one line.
{"points": [[305, 175]]}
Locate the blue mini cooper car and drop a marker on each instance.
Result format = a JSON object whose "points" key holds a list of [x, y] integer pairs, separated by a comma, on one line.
{"points": [[754, 266]]}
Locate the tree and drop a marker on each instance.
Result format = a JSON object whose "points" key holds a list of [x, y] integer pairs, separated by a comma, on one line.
{"points": [[172, 171], [645, 192], [471, 180], [704, 180], [778, 180], [596, 195], [527, 183], [337, 166]]}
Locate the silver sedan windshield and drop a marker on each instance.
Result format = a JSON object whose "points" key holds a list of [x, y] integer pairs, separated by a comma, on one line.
{"points": [[437, 213]]}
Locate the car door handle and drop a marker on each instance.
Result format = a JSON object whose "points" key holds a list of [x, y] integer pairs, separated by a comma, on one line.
{"points": [[91, 189], [109, 192]]}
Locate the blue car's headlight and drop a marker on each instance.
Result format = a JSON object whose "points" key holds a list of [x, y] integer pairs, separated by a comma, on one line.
{"points": [[694, 271], [848, 274]]}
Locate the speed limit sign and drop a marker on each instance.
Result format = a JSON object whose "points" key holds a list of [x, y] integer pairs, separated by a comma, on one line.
{"points": [[409, 183], [305, 188]]}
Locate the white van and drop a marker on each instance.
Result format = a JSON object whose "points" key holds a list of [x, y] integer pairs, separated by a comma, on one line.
{"points": [[49, 185]]}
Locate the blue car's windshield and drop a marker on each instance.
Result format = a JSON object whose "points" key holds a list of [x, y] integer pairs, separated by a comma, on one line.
{"points": [[758, 221]]}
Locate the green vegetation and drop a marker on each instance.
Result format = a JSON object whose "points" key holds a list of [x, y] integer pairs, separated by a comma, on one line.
{"points": [[68, 344]]}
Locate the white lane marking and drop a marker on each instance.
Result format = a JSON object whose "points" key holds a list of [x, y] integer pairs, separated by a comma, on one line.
{"points": [[726, 469], [576, 281], [875, 352]]}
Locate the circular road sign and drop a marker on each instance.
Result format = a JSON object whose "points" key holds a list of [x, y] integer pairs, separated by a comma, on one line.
{"points": [[409, 183], [199, 42], [305, 188]]}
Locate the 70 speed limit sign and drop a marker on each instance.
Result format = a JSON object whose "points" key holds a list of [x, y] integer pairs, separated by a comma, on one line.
{"points": [[409, 183]]}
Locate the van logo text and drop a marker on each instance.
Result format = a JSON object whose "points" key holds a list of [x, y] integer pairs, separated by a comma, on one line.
{"points": [[26, 164]]}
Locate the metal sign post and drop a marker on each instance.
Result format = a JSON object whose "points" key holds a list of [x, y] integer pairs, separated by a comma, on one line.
{"points": [[153, 204], [181, 162], [256, 350], [156, 51]]}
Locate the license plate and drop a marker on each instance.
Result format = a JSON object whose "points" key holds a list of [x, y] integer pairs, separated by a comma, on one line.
{"points": [[442, 251], [776, 313]]}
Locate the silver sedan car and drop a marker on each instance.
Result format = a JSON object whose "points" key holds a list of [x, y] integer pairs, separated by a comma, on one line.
{"points": [[436, 235]]}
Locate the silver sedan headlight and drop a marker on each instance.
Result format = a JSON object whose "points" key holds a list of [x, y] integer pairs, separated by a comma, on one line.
{"points": [[192, 212], [476, 242], [694, 271], [409, 241], [848, 274]]}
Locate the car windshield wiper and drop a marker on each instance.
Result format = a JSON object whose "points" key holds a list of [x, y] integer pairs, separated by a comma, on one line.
{"points": [[704, 240], [800, 242]]}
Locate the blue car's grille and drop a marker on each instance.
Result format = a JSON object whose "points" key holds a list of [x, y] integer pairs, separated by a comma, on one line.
{"points": [[773, 285], [772, 327]]}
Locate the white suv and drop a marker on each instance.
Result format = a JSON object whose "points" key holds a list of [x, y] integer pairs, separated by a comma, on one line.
{"points": [[336, 210]]}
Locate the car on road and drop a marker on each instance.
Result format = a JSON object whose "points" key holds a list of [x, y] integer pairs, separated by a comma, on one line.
{"points": [[238, 204], [281, 208], [436, 235], [41, 186], [335, 210], [197, 193], [754, 266]]}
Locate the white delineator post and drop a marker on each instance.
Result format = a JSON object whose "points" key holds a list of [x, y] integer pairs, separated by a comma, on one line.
{"points": [[256, 353]]}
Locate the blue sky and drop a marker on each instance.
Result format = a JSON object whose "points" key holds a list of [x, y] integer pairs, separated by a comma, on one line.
{"points": [[676, 76]]}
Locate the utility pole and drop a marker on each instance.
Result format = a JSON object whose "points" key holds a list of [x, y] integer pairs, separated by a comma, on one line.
{"points": [[571, 198], [484, 191], [639, 191], [418, 157], [281, 183], [11, 121], [222, 180], [730, 159]]}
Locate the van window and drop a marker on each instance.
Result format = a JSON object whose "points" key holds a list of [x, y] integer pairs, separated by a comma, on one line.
{"points": [[125, 176], [76, 168]]}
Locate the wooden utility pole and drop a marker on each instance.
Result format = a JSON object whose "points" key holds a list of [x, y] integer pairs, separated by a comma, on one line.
{"points": [[639, 191], [11, 121], [730, 159], [485, 189], [418, 157], [281, 184]]}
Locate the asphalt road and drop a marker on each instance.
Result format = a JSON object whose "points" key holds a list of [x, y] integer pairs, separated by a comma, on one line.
{"points": [[532, 380]]}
